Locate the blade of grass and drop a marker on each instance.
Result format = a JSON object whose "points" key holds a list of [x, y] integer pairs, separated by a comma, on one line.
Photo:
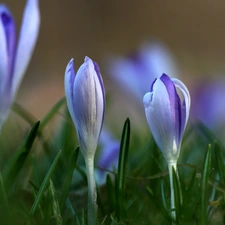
{"points": [[72, 210], [3, 196], [57, 218], [122, 166], [23, 113], [177, 194], [110, 193], [44, 184], [205, 186], [157, 204], [192, 180], [30, 119], [221, 168], [164, 200], [52, 112], [68, 177], [219, 161], [15, 164]]}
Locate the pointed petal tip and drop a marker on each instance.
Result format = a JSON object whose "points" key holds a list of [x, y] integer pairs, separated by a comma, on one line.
{"points": [[147, 99], [70, 67], [71, 62], [86, 59]]}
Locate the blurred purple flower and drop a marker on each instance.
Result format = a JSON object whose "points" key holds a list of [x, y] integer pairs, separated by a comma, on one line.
{"points": [[167, 114], [85, 95], [208, 103], [139, 69], [15, 56], [108, 157]]}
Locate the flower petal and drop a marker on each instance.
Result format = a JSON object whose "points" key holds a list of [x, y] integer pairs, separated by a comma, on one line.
{"points": [[160, 120], [27, 40], [7, 46], [175, 105], [89, 105], [187, 102], [69, 82]]}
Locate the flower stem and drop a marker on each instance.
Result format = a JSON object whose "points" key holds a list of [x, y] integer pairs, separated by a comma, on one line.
{"points": [[92, 193], [171, 165]]}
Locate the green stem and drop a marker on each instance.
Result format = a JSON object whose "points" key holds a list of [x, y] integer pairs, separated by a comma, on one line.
{"points": [[92, 194], [171, 165]]}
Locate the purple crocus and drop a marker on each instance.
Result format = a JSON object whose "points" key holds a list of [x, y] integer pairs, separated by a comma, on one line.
{"points": [[85, 96], [86, 102], [208, 104], [15, 56], [167, 114], [141, 67]]}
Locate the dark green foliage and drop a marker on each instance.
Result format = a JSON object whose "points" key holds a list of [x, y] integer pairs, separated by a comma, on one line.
{"points": [[43, 181]]}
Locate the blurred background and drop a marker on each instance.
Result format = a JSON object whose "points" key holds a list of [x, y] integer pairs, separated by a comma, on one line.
{"points": [[194, 32]]}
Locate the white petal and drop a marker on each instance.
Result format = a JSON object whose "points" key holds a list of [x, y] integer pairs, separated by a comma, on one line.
{"points": [[27, 40], [88, 106], [69, 83], [159, 117]]}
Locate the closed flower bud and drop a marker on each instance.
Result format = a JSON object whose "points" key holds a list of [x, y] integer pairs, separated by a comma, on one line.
{"points": [[86, 103], [167, 113]]}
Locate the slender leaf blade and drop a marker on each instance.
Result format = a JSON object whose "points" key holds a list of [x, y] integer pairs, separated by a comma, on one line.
{"points": [[44, 184], [122, 166]]}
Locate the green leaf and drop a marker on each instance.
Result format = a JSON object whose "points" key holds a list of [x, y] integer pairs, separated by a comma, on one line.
{"points": [[52, 112], [205, 186], [44, 184], [23, 113], [73, 212], [68, 177], [110, 193], [163, 196], [122, 166], [56, 217], [220, 162], [177, 194], [192, 181], [16, 163], [3, 196]]}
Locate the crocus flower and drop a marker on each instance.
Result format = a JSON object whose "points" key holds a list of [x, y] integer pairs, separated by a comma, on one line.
{"points": [[140, 68], [86, 103], [167, 114], [15, 56], [208, 104]]}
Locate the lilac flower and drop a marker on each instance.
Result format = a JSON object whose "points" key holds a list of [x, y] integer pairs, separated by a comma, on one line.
{"points": [[86, 102], [208, 106], [167, 114], [136, 71], [15, 56], [85, 96]]}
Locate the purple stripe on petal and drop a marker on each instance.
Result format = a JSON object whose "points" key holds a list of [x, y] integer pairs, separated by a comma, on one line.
{"points": [[151, 88], [10, 34], [10, 31], [27, 39], [175, 104]]}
